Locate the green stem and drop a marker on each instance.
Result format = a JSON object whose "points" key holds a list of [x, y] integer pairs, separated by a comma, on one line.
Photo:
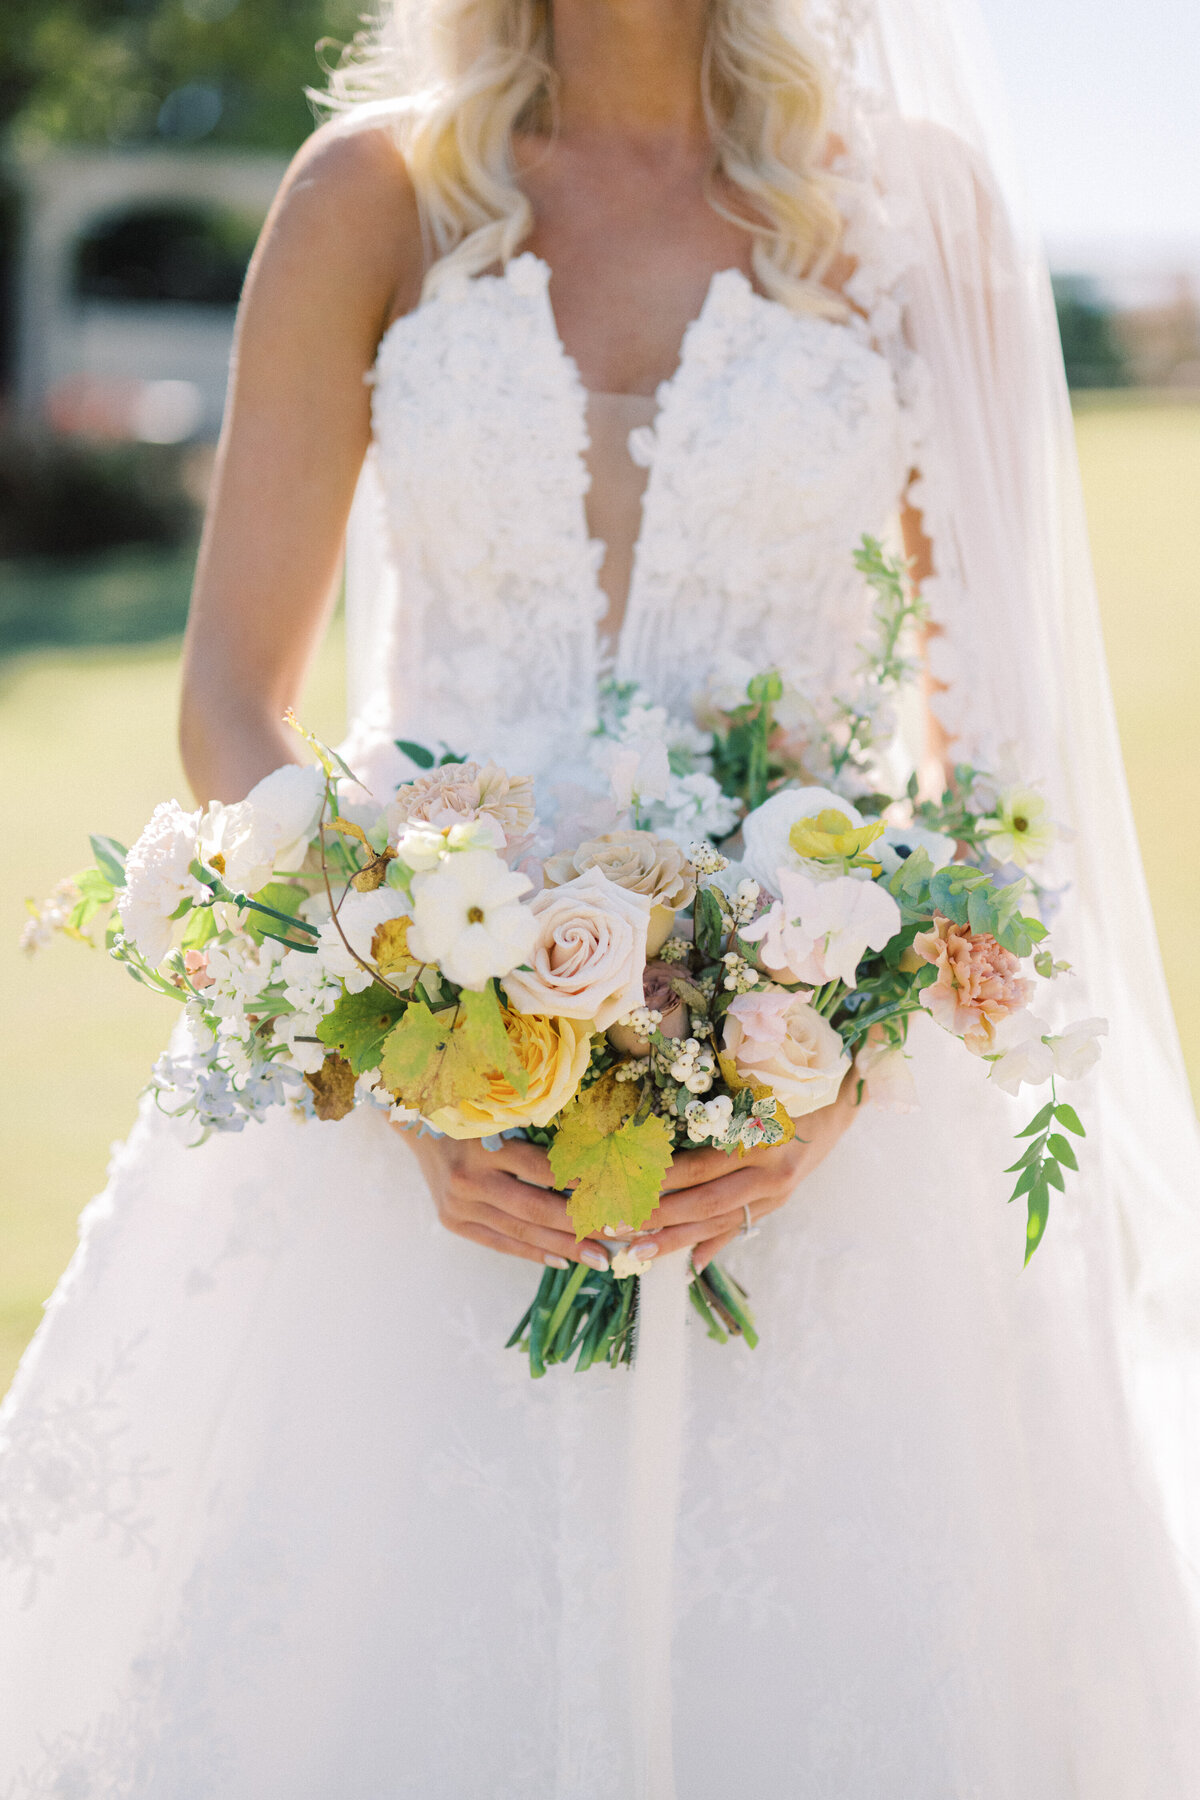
{"points": [[713, 1326], [578, 1276]]}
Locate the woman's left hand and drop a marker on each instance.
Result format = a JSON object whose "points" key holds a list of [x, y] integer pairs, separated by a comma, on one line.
{"points": [[706, 1191]]}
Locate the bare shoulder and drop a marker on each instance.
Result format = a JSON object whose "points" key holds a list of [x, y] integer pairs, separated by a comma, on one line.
{"points": [[345, 224]]}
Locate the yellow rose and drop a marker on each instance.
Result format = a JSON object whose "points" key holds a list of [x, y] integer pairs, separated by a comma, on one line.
{"points": [[554, 1054]]}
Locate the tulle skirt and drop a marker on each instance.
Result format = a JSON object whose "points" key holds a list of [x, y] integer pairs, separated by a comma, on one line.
{"points": [[281, 1517]]}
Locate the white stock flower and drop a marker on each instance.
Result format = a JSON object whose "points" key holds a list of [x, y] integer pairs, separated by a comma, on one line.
{"points": [[820, 931], [899, 841], [1077, 1049], [158, 878], [765, 831], [467, 918], [697, 806]]}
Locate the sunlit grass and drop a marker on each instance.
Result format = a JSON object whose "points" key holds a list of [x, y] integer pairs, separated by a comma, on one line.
{"points": [[87, 742]]}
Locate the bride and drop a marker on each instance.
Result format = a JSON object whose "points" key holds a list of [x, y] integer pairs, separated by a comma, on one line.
{"points": [[610, 326]]}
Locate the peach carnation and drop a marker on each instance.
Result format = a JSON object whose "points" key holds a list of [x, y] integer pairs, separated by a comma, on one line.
{"points": [[459, 792], [978, 984]]}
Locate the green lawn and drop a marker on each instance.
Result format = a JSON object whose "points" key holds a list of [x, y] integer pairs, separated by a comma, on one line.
{"points": [[87, 740]]}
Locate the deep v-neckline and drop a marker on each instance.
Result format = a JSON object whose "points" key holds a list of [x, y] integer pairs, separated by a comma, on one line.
{"points": [[610, 654]]}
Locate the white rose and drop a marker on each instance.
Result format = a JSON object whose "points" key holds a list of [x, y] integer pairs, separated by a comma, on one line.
{"points": [[158, 877], [765, 830], [589, 957], [467, 918]]}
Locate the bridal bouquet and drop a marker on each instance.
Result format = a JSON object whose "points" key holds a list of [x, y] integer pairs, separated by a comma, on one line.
{"points": [[742, 921]]}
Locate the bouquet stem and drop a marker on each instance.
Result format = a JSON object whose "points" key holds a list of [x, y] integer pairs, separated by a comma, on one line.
{"points": [[591, 1312]]}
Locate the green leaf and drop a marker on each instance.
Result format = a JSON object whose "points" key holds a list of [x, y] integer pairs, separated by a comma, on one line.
{"points": [[1025, 1180], [1061, 1150], [95, 886], [1039, 1210], [709, 925], [110, 858], [200, 929], [910, 883], [281, 898], [416, 753], [433, 1060], [1054, 1175], [358, 1025], [1039, 1123], [1066, 1115], [1031, 1156]]}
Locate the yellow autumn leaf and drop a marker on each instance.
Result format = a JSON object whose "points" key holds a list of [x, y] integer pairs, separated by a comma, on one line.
{"points": [[389, 947], [613, 1163]]}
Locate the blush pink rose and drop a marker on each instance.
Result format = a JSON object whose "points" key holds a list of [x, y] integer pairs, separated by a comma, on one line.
{"points": [[978, 984], [778, 1039]]}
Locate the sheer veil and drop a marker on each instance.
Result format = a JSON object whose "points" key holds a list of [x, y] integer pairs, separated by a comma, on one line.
{"points": [[952, 271]]}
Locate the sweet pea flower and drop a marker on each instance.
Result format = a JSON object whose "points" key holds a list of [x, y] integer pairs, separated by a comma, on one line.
{"points": [[887, 1076], [820, 930], [1021, 1052], [1077, 1049]]}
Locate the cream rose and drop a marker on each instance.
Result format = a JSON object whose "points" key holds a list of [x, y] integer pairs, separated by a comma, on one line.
{"points": [[590, 953], [554, 1053], [641, 863], [778, 1039]]}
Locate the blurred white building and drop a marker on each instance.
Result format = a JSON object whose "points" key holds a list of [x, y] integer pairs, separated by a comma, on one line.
{"points": [[129, 273]]}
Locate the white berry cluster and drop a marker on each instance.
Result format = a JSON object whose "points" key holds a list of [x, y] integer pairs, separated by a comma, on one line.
{"points": [[644, 1020], [694, 1066], [708, 1120], [743, 903], [633, 1070], [675, 950], [740, 975], [705, 860]]}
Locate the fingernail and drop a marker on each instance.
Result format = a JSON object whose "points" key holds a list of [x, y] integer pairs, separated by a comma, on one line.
{"points": [[555, 1262], [643, 1252], [595, 1259]]}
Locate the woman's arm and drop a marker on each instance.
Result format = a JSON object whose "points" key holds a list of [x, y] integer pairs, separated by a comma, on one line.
{"points": [[340, 255], [934, 771]]}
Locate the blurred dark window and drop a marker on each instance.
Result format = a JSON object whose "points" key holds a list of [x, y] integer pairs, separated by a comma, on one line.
{"points": [[188, 254]]}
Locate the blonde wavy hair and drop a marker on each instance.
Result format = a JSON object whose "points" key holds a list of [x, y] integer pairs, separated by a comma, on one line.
{"points": [[461, 78]]}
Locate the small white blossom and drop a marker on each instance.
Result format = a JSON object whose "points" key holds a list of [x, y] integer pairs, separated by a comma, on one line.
{"points": [[49, 917], [740, 975], [467, 918], [158, 877]]}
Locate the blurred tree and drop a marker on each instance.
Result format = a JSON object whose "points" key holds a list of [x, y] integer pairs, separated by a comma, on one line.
{"points": [[121, 72], [1093, 357]]}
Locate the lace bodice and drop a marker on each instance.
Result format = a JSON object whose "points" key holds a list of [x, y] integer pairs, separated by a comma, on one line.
{"points": [[778, 441]]}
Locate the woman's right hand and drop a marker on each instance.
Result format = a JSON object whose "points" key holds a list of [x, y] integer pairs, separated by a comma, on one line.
{"points": [[502, 1198]]}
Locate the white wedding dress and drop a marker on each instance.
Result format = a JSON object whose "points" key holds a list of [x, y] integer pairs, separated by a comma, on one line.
{"points": [[282, 1518]]}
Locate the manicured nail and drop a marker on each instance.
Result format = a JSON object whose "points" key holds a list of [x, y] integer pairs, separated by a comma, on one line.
{"points": [[643, 1252], [555, 1262], [595, 1259]]}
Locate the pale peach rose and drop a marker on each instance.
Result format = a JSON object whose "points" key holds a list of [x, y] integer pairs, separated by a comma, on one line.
{"points": [[590, 953], [659, 997], [640, 862], [978, 984], [554, 1054], [459, 792], [778, 1039]]}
